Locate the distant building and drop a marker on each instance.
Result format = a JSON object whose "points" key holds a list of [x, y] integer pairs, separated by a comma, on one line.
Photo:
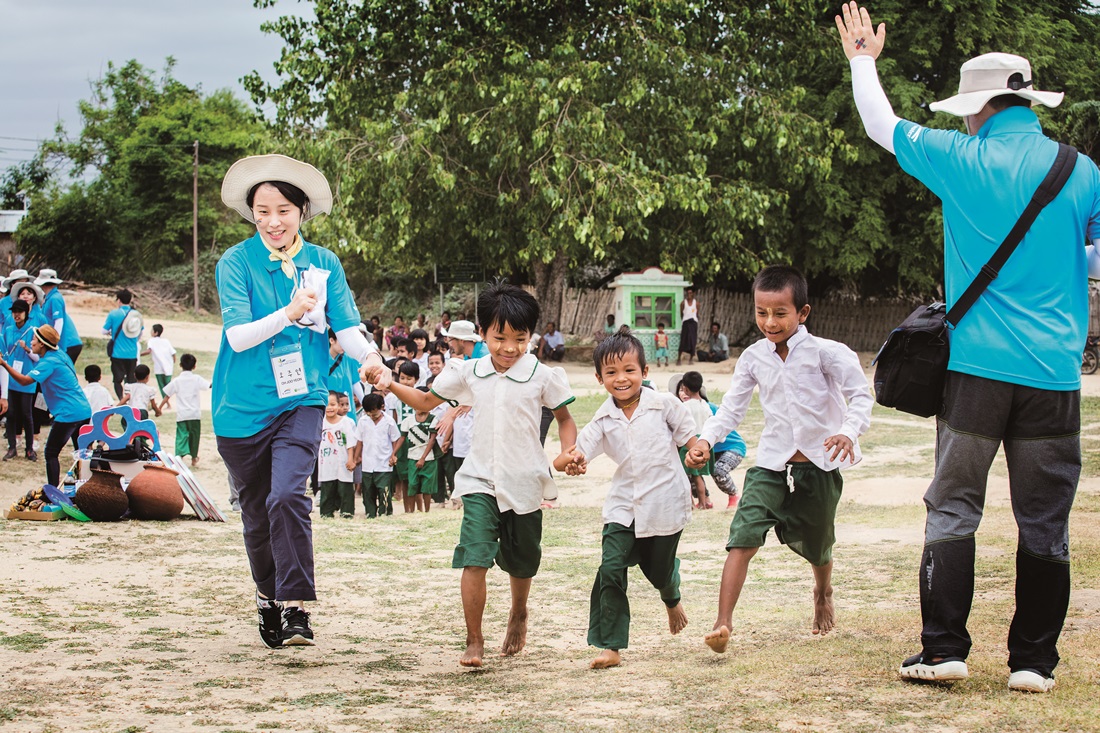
{"points": [[9, 252]]}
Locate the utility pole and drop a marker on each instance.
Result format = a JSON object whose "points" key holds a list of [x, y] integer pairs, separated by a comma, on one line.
{"points": [[195, 225]]}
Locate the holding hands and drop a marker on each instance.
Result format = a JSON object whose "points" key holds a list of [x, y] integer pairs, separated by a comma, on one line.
{"points": [[857, 35], [698, 455], [378, 375], [572, 462]]}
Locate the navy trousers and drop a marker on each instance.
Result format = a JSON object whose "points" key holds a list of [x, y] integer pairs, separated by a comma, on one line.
{"points": [[271, 470]]}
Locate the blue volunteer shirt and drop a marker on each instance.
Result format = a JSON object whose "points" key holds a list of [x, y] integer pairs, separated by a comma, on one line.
{"points": [[15, 355], [480, 350], [5, 312], [56, 374], [53, 309], [733, 440], [342, 379], [1029, 326], [251, 286], [125, 347]]}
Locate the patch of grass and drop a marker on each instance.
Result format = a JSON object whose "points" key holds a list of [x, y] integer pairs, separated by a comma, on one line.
{"points": [[26, 642]]}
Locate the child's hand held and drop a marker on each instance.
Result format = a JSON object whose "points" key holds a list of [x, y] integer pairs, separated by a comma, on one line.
{"points": [[698, 455]]}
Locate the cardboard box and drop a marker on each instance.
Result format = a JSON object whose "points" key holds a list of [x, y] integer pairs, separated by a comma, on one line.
{"points": [[49, 516]]}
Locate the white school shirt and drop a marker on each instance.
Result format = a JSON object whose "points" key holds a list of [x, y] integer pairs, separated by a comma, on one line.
{"points": [[422, 362], [463, 439], [506, 460], [803, 400], [394, 405], [332, 453], [98, 396], [162, 353], [699, 411], [186, 388], [650, 488], [141, 394], [377, 439]]}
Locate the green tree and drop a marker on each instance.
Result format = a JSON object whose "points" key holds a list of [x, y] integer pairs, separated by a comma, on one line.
{"points": [[137, 142], [29, 177], [709, 137], [540, 136]]}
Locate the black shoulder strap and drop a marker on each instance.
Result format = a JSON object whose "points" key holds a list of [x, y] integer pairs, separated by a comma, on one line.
{"points": [[120, 324], [1056, 178]]}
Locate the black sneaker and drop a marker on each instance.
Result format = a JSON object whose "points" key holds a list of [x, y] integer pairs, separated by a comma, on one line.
{"points": [[296, 631], [948, 669], [10, 454], [271, 626], [31, 455]]}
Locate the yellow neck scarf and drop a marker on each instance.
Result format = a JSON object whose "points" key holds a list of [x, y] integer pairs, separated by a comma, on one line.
{"points": [[286, 255]]}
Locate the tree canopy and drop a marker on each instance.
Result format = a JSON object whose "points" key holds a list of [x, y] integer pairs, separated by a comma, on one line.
{"points": [[129, 202]]}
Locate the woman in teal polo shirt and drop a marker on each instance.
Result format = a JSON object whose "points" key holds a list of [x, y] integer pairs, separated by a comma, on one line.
{"points": [[279, 296], [56, 376]]}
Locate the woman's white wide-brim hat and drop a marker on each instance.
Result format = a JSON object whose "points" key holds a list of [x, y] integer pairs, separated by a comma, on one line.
{"points": [[247, 172], [991, 75], [17, 288]]}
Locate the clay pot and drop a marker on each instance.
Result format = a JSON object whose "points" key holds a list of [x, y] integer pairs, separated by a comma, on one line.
{"points": [[155, 494], [101, 497]]}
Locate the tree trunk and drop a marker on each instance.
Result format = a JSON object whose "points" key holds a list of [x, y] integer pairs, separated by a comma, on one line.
{"points": [[550, 288]]}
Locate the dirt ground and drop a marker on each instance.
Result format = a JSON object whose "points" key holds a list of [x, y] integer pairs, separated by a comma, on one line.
{"points": [[149, 626]]}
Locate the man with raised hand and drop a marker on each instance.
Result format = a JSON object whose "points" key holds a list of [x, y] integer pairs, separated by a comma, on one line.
{"points": [[1014, 373]]}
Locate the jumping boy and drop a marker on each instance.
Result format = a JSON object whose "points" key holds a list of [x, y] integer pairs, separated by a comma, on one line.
{"points": [[648, 504], [809, 433], [502, 480]]}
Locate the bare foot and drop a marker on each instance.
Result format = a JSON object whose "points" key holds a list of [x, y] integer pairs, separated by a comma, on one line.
{"points": [[606, 658], [515, 637], [824, 613], [718, 639], [677, 618], [472, 656]]}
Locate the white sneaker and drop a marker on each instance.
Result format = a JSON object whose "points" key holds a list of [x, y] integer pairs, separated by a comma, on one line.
{"points": [[948, 669], [1027, 680]]}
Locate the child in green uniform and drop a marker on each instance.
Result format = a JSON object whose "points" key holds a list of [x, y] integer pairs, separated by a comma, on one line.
{"points": [[503, 478], [418, 432], [408, 374], [648, 503], [816, 405]]}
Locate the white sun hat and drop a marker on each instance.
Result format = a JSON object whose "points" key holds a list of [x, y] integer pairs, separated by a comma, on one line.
{"points": [[19, 287], [247, 172], [991, 75], [14, 276], [461, 330], [47, 276]]}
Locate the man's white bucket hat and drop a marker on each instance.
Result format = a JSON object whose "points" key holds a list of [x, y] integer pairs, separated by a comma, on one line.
{"points": [[461, 330], [247, 172], [991, 75]]}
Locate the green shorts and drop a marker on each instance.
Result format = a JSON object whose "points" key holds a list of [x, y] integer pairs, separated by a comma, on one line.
{"points": [[401, 468], [513, 541], [804, 519], [422, 480]]}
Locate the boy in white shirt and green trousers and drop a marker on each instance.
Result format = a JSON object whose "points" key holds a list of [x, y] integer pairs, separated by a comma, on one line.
{"points": [[816, 404], [504, 478], [187, 388], [649, 502]]}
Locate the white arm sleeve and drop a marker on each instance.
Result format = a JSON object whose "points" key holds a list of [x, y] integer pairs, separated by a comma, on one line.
{"points": [[1093, 254], [3, 383], [355, 344], [247, 335], [59, 325], [874, 108]]}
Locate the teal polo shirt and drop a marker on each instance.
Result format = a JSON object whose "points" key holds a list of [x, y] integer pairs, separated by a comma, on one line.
{"points": [[342, 379], [54, 308], [125, 347], [13, 352], [56, 374], [1029, 326], [480, 350], [252, 286]]}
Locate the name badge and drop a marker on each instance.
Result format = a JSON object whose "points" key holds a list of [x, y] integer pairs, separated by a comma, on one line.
{"points": [[17, 366], [289, 370]]}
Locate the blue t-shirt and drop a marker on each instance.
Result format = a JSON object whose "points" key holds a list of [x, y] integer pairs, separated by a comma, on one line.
{"points": [[57, 376], [5, 311], [480, 350], [125, 347], [733, 440], [342, 379], [1029, 326], [252, 286], [54, 308], [14, 353]]}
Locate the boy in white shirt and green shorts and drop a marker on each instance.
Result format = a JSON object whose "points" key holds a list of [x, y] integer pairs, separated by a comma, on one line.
{"points": [[816, 405], [503, 479]]}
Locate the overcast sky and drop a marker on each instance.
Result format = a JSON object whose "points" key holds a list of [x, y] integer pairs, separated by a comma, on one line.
{"points": [[52, 49]]}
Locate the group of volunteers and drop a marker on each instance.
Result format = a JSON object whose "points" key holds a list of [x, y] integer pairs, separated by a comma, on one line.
{"points": [[39, 347], [1013, 381]]}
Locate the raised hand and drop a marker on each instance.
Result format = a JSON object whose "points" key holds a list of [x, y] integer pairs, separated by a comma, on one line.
{"points": [[857, 35]]}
